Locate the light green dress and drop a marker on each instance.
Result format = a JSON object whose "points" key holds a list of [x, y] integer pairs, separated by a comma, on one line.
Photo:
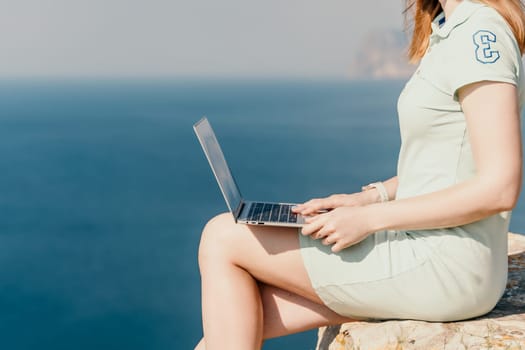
{"points": [[438, 274]]}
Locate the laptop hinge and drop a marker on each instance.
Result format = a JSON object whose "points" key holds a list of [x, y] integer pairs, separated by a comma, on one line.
{"points": [[238, 211]]}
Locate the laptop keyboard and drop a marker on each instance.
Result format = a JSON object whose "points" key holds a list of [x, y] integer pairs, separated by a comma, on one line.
{"points": [[260, 212]]}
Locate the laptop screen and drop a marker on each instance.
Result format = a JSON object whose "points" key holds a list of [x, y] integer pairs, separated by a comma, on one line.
{"points": [[220, 168]]}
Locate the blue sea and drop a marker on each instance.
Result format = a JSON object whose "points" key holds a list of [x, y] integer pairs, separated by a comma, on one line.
{"points": [[104, 190]]}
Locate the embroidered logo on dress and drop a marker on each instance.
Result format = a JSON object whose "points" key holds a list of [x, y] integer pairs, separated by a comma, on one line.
{"points": [[484, 39]]}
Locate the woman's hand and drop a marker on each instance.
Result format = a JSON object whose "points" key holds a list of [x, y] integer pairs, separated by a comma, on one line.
{"points": [[319, 205], [341, 227]]}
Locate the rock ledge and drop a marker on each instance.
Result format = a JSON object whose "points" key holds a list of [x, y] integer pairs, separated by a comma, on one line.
{"points": [[502, 328]]}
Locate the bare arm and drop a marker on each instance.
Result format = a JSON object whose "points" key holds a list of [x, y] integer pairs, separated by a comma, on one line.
{"points": [[494, 131]]}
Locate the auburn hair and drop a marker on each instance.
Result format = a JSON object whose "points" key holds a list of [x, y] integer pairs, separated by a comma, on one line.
{"points": [[420, 14]]}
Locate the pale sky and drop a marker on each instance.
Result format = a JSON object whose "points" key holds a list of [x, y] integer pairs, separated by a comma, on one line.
{"points": [[173, 38]]}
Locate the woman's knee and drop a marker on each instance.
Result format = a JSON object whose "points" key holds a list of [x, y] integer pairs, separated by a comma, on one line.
{"points": [[216, 238]]}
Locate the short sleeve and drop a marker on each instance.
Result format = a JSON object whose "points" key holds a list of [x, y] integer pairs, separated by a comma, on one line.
{"points": [[483, 49]]}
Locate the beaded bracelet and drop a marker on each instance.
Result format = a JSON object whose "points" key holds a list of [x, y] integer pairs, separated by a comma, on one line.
{"points": [[383, 194]]}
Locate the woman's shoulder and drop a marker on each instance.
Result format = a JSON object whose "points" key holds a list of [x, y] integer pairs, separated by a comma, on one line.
{"points": [[479, 46], [484, 47], [488, 31], [487, 18], [486, 12]]}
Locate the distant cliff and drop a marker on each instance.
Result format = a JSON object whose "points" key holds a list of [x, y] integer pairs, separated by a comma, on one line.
{"points": [[382, 54]]}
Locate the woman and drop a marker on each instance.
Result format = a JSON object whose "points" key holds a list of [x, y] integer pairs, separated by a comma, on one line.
{"points": [[428, 244]]}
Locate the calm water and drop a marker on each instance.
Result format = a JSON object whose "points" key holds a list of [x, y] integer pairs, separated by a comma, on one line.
{"points": [[104, 191]]}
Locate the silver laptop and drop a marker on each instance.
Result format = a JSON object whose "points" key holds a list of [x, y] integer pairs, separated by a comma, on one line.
{"points": [[246, 212]]}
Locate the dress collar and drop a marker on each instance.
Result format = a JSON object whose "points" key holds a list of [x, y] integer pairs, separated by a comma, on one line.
{"points": [[461, 13]]}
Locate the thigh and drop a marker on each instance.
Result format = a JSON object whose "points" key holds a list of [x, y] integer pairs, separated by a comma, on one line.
{"points": [[270, 254]]}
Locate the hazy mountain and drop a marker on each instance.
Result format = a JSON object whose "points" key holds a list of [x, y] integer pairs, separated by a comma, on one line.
{"points": [[382, 54]]}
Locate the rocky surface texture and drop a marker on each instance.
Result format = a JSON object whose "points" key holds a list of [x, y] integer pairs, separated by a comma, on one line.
{"points": [[503, 328]]}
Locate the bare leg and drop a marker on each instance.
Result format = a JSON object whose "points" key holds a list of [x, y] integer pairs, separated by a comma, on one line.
{"points": [[287, 313], [238, 310]]}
